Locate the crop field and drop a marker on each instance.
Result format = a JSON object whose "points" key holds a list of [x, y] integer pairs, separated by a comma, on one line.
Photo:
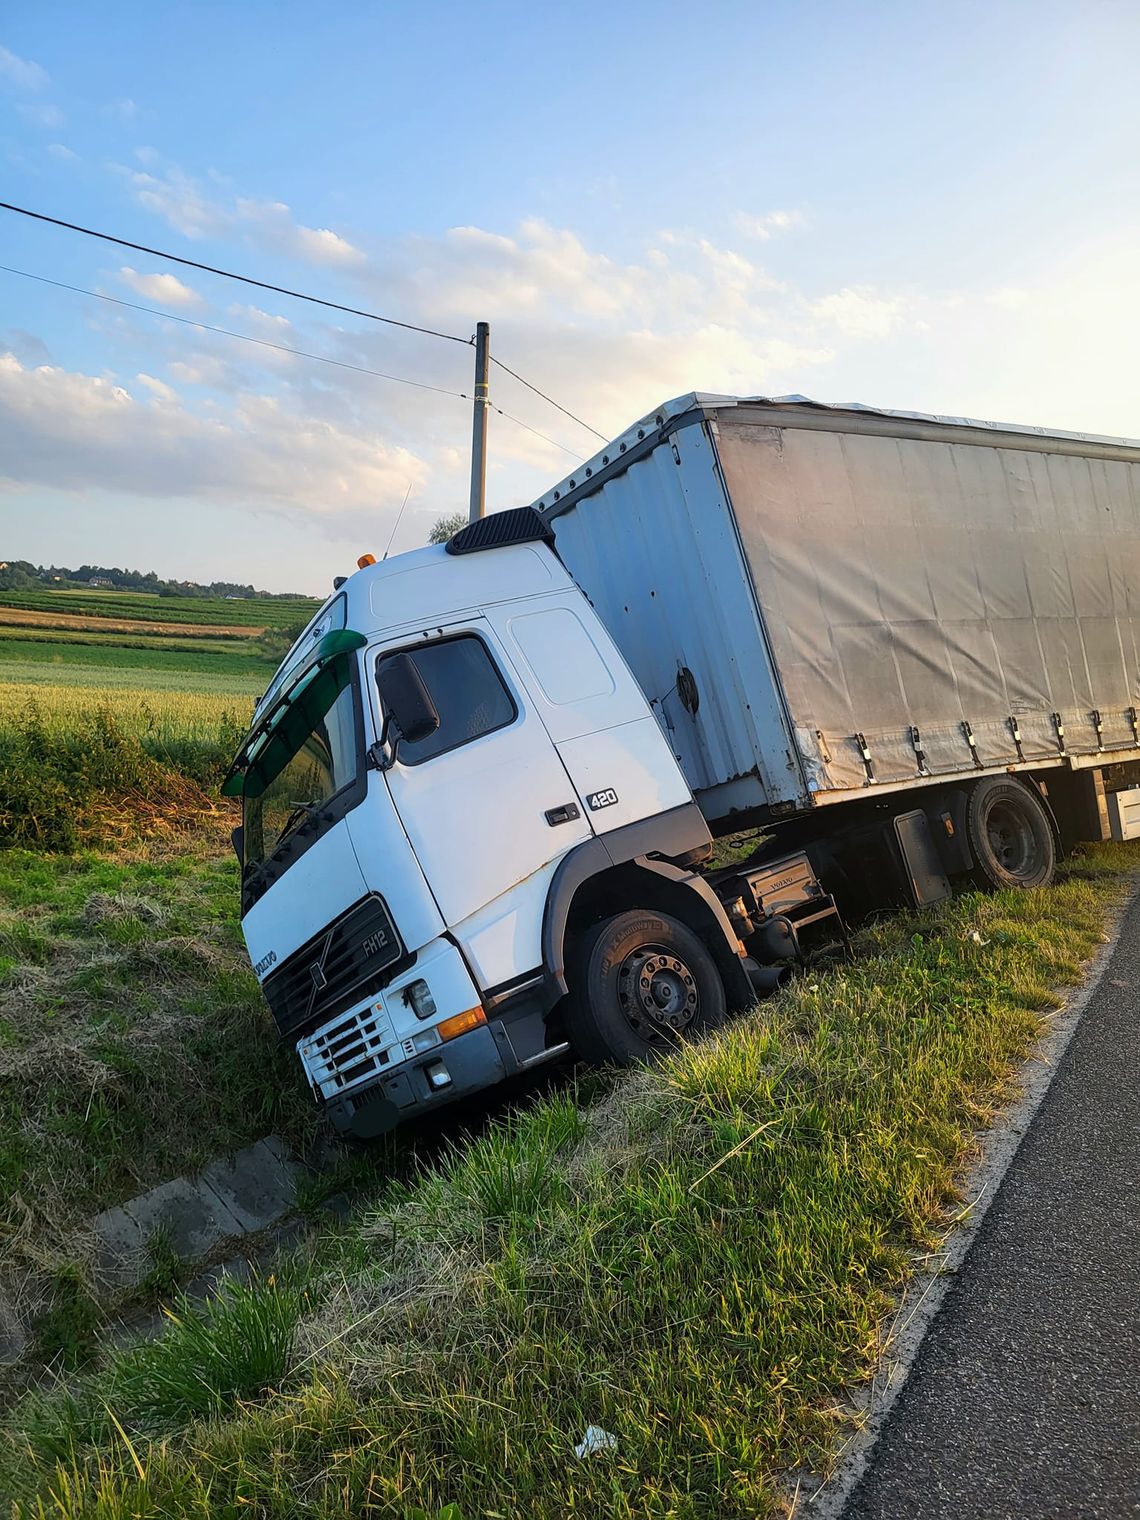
{"points": [[252, 613], [178, 667], [106, 696]]}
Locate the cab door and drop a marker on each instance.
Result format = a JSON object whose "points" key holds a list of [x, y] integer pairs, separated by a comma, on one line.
{"points": [[485, 801]]}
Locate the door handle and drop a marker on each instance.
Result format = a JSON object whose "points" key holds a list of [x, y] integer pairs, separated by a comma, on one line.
{"points": [[564, 814]]}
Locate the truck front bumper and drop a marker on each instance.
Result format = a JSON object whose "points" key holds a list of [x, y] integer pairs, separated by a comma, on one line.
{"points": [[470, 1062]]}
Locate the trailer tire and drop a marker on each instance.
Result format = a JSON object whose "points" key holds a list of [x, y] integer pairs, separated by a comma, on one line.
{"points": [[640, 982], [1010, 835]]}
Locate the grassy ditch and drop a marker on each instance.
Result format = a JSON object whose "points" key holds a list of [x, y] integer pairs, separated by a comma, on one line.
{"points": [[698, 1260], [134, 1047]]}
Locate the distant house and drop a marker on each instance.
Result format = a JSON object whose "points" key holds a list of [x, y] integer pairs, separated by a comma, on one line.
{"points": [[100, 580]]}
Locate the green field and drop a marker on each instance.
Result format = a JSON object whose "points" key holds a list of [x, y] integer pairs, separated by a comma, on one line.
{"points": [[56, 642], [64, 662], [255, 612], [107, 717]]}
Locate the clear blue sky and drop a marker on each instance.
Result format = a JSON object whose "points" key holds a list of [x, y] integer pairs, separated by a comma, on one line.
{"points": [[924, 207]]}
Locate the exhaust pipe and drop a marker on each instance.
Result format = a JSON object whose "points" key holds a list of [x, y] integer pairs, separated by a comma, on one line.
{"points": [[768, 979]]}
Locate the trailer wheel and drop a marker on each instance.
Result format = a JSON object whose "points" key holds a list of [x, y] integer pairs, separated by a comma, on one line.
{"points": [[640, 982], [1010, 835]]}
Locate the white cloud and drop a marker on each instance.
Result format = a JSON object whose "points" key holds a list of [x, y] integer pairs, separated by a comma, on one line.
{"points": [[270, 320], [123, 109], [272, 223], [166, 288], [63, 153], [21, 72], [208, 370], [71, 431], [157, 387], [182, 202], [860, 312], [178, 199], [42, 115], [322, 246], [768, 225]]}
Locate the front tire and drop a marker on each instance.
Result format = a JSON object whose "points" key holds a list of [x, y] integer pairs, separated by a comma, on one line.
{"points": [[1010, 835], [641, 982]]}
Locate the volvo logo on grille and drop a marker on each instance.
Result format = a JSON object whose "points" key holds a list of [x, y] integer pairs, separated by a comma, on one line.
{"points": [[264, 963], [342, 964]]}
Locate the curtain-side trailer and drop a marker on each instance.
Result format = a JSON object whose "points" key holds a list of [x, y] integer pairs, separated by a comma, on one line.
{"points": [[845, 607]]}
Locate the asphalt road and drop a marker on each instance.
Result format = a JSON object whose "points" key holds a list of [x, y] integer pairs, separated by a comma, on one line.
{"points": [[1024, 1401]]}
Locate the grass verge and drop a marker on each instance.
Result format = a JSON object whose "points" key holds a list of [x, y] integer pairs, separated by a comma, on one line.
{"points": [[134, 1047], [74, 773], [697, 1261]]}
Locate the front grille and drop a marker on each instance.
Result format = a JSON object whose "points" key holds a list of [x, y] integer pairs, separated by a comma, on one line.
{"points": [[351, 1050], [348, 961]]}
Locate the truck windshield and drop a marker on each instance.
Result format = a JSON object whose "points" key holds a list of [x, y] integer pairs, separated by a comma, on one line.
{"points": [[315, 756]]}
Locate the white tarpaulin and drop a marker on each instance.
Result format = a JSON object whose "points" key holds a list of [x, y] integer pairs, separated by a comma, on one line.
{"points": [[952, 581]]}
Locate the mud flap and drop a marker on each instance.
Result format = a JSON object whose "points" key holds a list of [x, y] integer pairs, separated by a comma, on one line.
{"points": [[922, 866]]}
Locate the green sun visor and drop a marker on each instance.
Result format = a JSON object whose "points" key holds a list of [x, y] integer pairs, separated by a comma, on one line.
{"points": [[300, 705]]}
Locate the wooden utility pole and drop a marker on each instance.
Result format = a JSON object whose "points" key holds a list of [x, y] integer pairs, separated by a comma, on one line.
{"points": [[479, 425]]}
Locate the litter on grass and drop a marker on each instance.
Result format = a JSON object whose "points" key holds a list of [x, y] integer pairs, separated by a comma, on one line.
{"points": [[596, 1439]]}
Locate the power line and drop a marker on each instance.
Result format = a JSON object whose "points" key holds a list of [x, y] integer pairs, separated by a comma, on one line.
{"points": [[281, 348], [544, 396], [553, 441], [228, 274], [299, 295]]}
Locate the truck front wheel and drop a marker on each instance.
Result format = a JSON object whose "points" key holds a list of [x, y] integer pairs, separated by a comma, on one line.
{"points": [[640, 982], [1010, 835]]}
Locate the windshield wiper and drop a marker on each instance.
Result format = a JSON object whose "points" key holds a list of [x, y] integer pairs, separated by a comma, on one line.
{"points": [[301, 810]]}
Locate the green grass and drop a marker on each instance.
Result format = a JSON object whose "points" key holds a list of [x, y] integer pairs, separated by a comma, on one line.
{"points": [[134, 1046], [255, 613], [205, 642], [240, 670], [80, 775], [165, 716], [699, 1259], [236, 1346]]}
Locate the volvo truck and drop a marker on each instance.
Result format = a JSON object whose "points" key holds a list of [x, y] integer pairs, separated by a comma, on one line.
{"points": [[483, 794]]}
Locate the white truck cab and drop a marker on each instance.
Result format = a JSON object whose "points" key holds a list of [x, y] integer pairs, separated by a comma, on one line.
{"points": [[452, 750]]}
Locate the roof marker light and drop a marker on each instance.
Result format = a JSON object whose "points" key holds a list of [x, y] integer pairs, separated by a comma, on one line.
{"points": [[365, 560]]}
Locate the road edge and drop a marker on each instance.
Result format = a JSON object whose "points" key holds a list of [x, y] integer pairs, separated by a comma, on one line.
{"points": [[825, 1498]]}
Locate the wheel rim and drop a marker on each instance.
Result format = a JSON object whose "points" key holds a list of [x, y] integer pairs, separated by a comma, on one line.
{"points": [[1012, 840], [657, 993]]}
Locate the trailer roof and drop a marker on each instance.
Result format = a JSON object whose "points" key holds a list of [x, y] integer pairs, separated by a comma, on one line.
{"points": [[793, 411]]}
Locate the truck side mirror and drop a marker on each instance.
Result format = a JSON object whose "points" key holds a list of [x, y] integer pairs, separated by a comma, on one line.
{"points": [[237, 839], [408, 704]]}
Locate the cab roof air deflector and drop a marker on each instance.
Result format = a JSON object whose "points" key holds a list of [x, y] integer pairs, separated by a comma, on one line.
{"points": [[518, 525]]}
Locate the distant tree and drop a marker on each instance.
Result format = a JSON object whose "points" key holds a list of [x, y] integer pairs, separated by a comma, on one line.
{"points": [[17, 575], [447, 527], [21, 574]]}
